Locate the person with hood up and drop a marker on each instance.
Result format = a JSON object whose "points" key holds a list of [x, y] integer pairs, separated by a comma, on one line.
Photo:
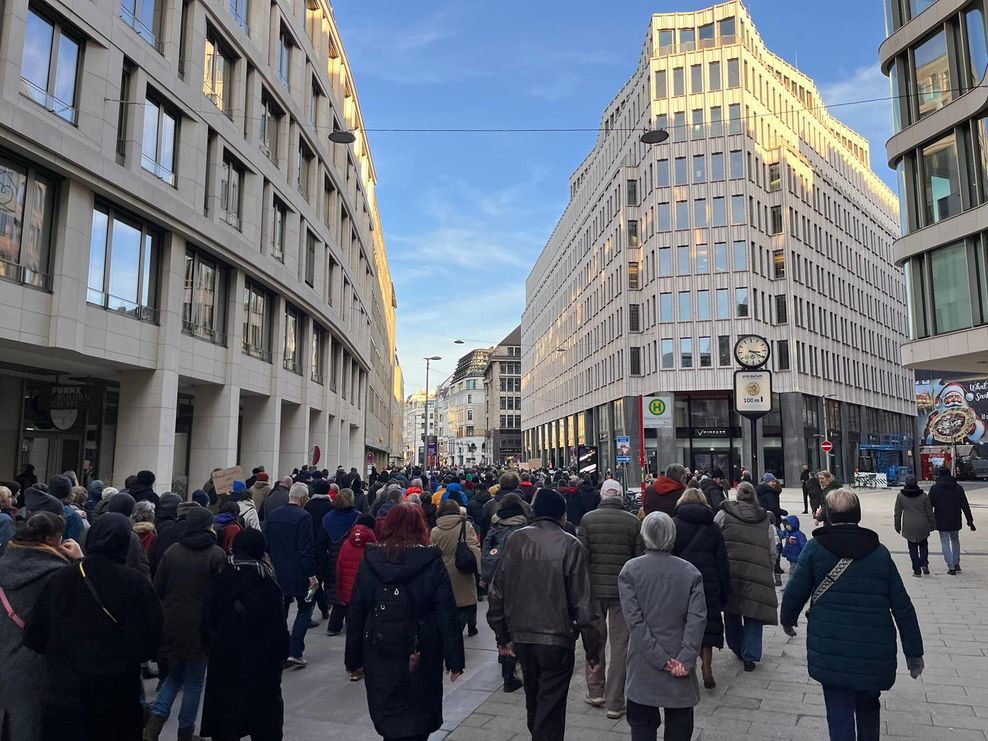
{"points": [[184, 581], [144, 488], [259, 491], [949, 501], [166, 513], [137, 558], [454, 490], [751, 545], [60, 487], [337, 524], [857, 601], [914, 521], [170, 535], [585, 499], [475, 507], [244, 608], [700, 541], [526, 487], [227, 525], [392, 496], [452, 527], [793, 540], [715, 489], [768, 497], [36, 553], [665, 491], [95, 622], [94, 493], [319, 505], [348, 565]]}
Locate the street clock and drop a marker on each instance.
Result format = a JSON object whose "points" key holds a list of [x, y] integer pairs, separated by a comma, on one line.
{"points": [[751, 351]]}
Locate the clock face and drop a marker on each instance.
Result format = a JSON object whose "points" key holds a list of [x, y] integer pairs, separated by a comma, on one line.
{"points": [[751, 351]]}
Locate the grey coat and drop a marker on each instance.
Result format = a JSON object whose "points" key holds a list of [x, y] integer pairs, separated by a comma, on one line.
{"points": [[666, 611], [914, 516], [750, 541]]}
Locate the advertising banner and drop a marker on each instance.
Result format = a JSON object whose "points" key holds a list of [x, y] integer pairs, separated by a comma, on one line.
{"points": [[753, 392], [952, 412]]}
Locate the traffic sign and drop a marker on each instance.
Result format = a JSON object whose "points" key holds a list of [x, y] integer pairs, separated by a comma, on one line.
{"points": [[826, 446], [623, 446], [624, 459]]}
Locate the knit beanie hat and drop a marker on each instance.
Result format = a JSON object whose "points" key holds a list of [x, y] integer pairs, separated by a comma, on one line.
{"points": [[549, 503], [611, 488], [198, 520], [60, 487], [36, 500], [200, 497], [145, 478], [122, 503], [239, 487]]}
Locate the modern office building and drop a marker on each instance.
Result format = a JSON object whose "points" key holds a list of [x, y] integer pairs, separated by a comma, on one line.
{"points": [[936, 55], [192, 274], [462, 403], [760, 214], [502, 391], [414, 427]]}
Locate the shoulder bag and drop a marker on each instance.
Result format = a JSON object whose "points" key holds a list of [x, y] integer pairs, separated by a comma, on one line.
{"points": [[829, 580], [464, 559], [18, 620]]}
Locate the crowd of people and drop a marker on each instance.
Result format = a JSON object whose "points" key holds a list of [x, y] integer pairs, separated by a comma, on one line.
{"points": [[102, 588]]}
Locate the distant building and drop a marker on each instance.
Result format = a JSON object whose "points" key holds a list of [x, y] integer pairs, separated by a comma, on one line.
{"points": [[502, 389], [413, 448], [463, 400]]}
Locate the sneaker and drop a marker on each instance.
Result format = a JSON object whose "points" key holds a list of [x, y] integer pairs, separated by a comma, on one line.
{"points": [[296, 661], [616, 714], [926, 570], [957, 568], [749, 666], [356, 676], [952, 572], [595, 701], [513, 684], [917, 573]]}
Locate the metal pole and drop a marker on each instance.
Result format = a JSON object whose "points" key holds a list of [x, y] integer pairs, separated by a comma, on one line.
{"points": [[425, 437], [754, 449], [826, 436]]}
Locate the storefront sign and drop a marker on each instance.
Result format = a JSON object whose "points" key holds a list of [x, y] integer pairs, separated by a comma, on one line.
{"points": [[712, 432], [69, 397], [753, 392], [657, 411]]}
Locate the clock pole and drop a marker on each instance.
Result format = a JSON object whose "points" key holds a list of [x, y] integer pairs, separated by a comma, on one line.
{"points": [[754, 448], [753, 386]]}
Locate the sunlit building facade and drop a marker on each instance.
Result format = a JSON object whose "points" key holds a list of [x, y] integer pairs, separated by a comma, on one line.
{"points": [[760, 214]]}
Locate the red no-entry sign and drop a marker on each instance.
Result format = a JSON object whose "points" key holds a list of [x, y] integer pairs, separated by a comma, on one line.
{"points": [[826, 446]]}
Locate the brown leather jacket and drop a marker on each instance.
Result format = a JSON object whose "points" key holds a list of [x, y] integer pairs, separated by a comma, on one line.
{"points": [[541, 591]]}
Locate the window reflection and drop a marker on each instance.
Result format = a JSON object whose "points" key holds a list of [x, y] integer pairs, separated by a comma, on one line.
{"points": [[942, 196], [933, 84]]}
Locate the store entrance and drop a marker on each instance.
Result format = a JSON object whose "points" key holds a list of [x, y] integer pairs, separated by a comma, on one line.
{"points": [[708, 460], [52, 454]]}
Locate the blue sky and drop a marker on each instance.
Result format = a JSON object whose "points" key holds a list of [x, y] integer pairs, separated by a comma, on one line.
{"points": [[466, 215]]}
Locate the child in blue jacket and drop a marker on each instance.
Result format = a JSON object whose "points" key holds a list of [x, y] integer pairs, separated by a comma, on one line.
{"points": [[793, 540]]}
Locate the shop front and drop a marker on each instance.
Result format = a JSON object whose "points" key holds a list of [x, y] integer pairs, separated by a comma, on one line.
{"points": [[708, 432]]}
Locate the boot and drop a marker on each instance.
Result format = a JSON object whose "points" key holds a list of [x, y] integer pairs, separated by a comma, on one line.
{"points": [[511, 681], [706, 667], [153, 728], [187, 735]]}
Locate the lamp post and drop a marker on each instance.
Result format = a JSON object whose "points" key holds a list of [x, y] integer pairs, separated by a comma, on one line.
{"points": [[425, 446]]}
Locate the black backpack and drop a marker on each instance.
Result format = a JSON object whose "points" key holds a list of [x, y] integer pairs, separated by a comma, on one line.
{"points": [[393, 627]]}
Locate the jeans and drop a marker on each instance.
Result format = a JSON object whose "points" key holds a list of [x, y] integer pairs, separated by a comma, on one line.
{"points": [[919, 554], [600, 682], [302, 619], [844, 706], [189, 677], [645, 721], [547, 671], [744, 636], [951, 544]]}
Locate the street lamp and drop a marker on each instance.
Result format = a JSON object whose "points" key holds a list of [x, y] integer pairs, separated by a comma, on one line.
{"points": [[425, 454], [655, 136], [342, 136]]}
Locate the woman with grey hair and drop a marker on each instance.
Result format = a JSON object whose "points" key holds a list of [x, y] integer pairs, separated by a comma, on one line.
{"points": [[750, 539], [664, 605]]}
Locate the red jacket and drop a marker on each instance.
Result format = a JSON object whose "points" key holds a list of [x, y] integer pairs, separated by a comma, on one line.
{"points": [[662, 496], [348, 564]]}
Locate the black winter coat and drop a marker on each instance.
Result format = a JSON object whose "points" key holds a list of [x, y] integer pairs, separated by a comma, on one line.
{"points": [[768, 499], [475, 511], [714, 493], [584, 499], [244, 630], [949, 500], [405, 704], [318, 507], [709, 555]]}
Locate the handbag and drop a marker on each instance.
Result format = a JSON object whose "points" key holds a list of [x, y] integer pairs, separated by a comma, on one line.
{"points": [[465, 560], [829, 580]]}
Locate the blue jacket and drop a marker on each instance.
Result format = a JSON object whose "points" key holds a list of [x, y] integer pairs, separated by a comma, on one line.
{"points": [[455, 490], [74, 526], [288, 531], [850, 634], [791, 551]]}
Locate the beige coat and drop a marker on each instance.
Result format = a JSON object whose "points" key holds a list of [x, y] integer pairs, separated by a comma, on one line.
{"points": [[446, 534]]}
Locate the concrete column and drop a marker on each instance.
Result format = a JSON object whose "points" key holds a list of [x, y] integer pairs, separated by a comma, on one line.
{"points": [[331, 453], [146, 425], [260, 442], [70, 266], [214, 429], [344, 437], [792, 435], [318, 433], [294, 435]]}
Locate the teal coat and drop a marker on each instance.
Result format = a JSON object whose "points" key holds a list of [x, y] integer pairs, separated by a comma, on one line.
{"points": [[850, 635]]}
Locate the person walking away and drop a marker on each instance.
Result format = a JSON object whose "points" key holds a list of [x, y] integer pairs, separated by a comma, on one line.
{"points": [[665, 491], [793, 540], [664, 603], [509, 517], [814, 493], [31, 557], [539, 600], [259, 491], [715, 489], [247, 511], [914, 521], [612, 537], [169, 535], [855, 592], [337, 524], [507, 484], [137, 558], [183, 581], [244, 608], [288, 533], [404, 628], [348, 565], [143, 488], [949, 501], [451, 529], [805, 475], [751, 544], [60, 487], [277, 498], [319, 505], [585, 499], [700, 541], [144, 529], [95, 622]]}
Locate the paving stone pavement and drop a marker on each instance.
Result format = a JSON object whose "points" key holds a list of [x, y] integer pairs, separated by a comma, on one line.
{"points": [[777, 701]]}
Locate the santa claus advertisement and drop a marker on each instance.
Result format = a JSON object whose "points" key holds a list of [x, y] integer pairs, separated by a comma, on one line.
{"points": [[952, 416]]}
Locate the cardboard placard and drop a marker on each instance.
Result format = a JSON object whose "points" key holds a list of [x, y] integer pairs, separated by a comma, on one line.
{"points": [[224, 478]]}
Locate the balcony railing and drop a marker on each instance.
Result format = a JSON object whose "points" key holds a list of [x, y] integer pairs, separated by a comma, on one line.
{"points": [[141, 28], [292, 364], [59, 107], [204, 333], [317, 377], [228, 217], [670, 49], [240, 19], [16, 273], [158, 170], [122, 306], [256, 352]]}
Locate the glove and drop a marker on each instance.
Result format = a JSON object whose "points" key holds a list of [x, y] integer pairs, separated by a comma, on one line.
{"points": [[915, 665], [971, 525], [789, 630]]}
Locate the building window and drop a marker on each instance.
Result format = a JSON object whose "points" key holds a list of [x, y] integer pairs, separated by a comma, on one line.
{"points": [[665, 308], [293, 340], [278, 216], [662, 173], [774, 176], [782, 355], [934, 88], [699, 168], [632, 233], [634, 318], [941, 180], [635, 356], [778, 264], [204, 300], [315, 103], [679, 126], [682, 215], [123, 269], [951, 281], [26, 216], [720, 211], [734, 118], [702, 259], [310, 259], [737, 165], [723, 350], [733, 73], [685, 352], [144, 16], [123, 111], [703, 306], [682, 173], [316, 361], [977, 45], [660, 84], [740, 255], [741, 303], [284, 57], [50, 65], [240, 11], [727, 30], [303, 166], [685, 306], [665, 261], [158, 150], [723, 303], [706, 356], [217, 74], [737, 209], [631, 190], [678, 81], [231, 196], [781, 309], [668, 358], [696, 78], [687, 39], [700, 213], [775, 220], [664, 223], [683, 258], [271, 116], [257, 322], [717, 166], [714, 76], [633, 278]]}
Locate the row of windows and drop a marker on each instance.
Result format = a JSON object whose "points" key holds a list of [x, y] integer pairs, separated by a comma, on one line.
{"points": [[705, 213], [679, 40], [701, 306], [698, 128], [699, 82], [698, 352], [684, 172], [510, 422], [900, 12]]}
